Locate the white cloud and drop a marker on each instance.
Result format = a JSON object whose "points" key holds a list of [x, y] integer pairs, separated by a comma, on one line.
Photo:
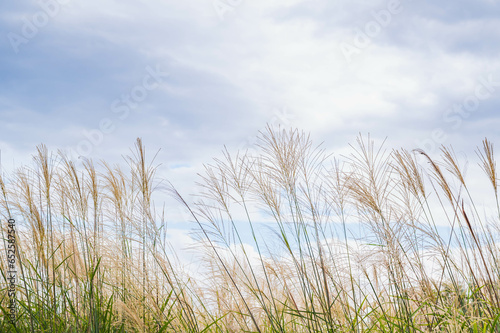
{"points": [[228, 77]]}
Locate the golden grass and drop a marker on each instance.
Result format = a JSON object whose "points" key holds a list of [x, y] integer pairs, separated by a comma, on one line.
{"points": [[376, 242]]}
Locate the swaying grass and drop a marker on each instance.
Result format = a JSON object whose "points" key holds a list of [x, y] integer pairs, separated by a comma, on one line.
{"points": [[290, 240]]}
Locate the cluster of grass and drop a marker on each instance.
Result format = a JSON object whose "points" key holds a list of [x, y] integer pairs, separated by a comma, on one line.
{"points": [[289, 241]]}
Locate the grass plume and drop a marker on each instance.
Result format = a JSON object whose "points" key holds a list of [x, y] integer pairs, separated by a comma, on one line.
{"points": [[288, 240]]}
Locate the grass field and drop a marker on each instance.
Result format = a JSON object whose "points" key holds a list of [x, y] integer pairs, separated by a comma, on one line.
{"points": [[380, 241]]}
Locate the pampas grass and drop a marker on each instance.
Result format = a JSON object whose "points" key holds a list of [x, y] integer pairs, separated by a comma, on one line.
{"points": [[288, 240]]}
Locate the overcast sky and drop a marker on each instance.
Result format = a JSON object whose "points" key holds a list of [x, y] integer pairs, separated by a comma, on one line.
{"points": [[191, 76]]}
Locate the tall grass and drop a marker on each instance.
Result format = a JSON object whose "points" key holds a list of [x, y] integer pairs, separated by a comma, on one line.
{"points": [[289, 240]]}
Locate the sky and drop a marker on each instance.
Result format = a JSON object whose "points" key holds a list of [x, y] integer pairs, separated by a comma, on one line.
{"points": [[191, 76]]}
